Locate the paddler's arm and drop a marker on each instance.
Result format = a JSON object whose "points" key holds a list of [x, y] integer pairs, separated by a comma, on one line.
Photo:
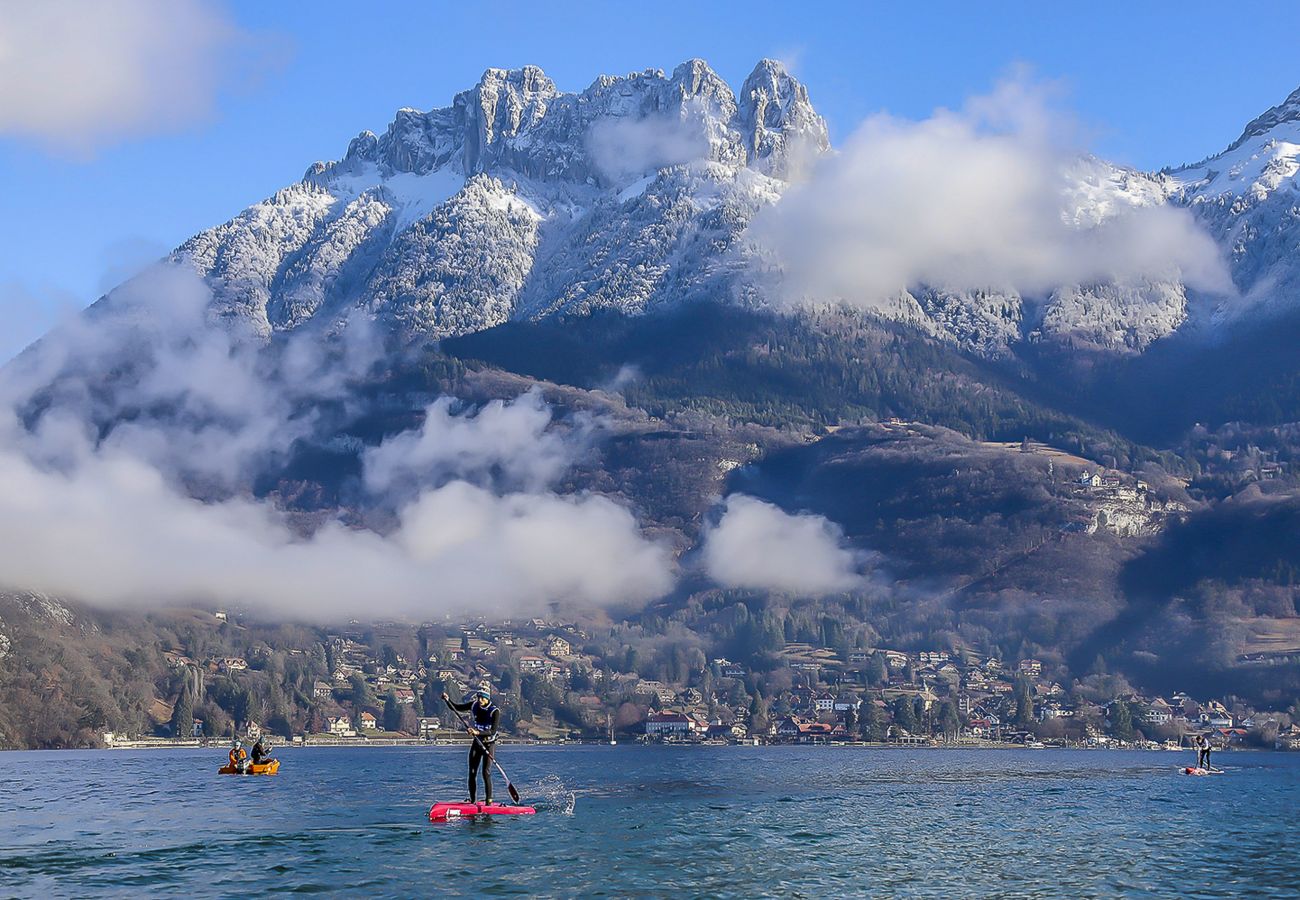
{"points": [[459, 707]]}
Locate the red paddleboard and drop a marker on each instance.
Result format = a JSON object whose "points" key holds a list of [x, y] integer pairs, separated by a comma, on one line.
{"points": [[441, 812], [1197, 770]]}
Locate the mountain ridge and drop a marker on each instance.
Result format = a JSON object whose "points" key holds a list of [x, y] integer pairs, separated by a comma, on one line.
{"points": [[636, 193]]}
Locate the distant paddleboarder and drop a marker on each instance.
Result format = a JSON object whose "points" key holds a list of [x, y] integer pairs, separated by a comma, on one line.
{"points": [[1202, 752], [485, 718]]}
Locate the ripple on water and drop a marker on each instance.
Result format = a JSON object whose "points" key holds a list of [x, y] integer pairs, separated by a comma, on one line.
{"points": [[653, 821]]}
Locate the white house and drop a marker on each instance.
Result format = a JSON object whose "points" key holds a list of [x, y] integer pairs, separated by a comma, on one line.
{"points": [[667, 724], [339, 726]]}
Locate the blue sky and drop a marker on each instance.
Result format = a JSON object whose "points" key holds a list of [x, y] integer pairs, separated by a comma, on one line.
{"points": [[1152, 86]]}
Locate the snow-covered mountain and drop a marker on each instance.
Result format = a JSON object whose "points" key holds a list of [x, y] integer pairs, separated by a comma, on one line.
{"points": [[1249, 198], [519, 200]]}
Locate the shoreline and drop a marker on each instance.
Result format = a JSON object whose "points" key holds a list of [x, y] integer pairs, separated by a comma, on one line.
{"points": [[385, 743]]}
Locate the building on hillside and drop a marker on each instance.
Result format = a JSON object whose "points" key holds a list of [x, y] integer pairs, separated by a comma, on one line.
{"points": [[1288, 739], [1215, 715], [339, 726], [895, 660], [1159, 712], [558, 646], [1031, 667], [233, 664], [177, 660], [667, 724], [788, 728], [1053, 710], [531, 663], [736, 731], [368, 721], [320, 690]]}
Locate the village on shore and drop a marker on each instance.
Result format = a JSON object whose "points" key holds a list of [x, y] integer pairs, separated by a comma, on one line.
{"points": [[551, 690]]}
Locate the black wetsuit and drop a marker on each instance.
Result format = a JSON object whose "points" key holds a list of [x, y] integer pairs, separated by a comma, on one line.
{"points": [[1203, 755], [482, 719], [259, 754]]}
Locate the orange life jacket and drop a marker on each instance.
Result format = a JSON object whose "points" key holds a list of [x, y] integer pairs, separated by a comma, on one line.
{"points": [[237, 755]]}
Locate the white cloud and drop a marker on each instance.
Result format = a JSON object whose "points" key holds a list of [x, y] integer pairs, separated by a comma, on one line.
{"points": [[980, 198], [759, 545], [509, 442], [98, 502], [81, 74], [626, 148], [111, 531]]}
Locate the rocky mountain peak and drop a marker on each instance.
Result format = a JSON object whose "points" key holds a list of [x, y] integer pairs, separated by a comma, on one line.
{"points": [[1286, 111], [775, 113], [505, 103]]}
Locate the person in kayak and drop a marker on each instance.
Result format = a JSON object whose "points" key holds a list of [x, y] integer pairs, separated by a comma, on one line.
{"points": [[238, 757], [1202, 751], [485, 718], [261, 753]]}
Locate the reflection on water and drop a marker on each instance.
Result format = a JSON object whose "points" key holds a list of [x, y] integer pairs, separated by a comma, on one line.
{"points": [[654, 821]]}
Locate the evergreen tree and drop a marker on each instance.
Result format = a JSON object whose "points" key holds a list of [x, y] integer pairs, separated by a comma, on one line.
{"points": [[431, 697], [392, 712], [949, 721], [362, 695], [905, 715], [1024, 703], [182, 723], [876, 674], [758, 715], [870, 725], [1121, 720]]}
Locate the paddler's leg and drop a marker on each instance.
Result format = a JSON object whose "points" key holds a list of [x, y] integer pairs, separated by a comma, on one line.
{"points": [[474, 757], [487, 779]]}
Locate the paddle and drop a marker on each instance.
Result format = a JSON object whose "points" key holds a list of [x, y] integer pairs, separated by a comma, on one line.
{"points": [[514, 793]]}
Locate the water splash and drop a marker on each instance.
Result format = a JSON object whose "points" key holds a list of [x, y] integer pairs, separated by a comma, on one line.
{"points": [[556, 796]]}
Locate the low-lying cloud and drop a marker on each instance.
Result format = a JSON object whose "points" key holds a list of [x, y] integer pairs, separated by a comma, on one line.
{"points": [[760, 546], [81, 74], [111, 530], [623, 149], [984, 197], [505, 442], [129, 440]]}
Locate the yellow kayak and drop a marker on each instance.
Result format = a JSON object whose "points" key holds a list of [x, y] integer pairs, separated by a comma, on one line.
{"points": [[266, 768]]}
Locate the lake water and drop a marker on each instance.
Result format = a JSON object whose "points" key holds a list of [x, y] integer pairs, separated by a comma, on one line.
{"points": [[654, 821]]}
